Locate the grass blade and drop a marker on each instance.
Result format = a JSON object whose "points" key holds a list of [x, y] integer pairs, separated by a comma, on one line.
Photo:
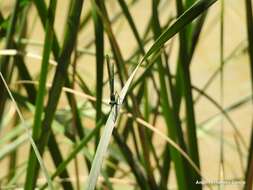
{"points": [[44, 69], [249, 19], [99, 43], [36, 150], [193, 12], [42, 87], [221, 161], [73, 154], [59, 79], [42, 10], [4, 66]]}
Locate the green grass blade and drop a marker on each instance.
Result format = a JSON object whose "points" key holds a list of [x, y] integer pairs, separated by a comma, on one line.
{"points": [[167, 109], [21, 32], [64, 60], [18, 59], [44, 68], [75, 112], [42, 10], [42, 88], [59, 78], [73, 154], [193, 12], [36, 150], [249, 19], [249, 170], [99, 43], [25, 75], [131, 23], [196, 31], [58, 159], [4, 67], [248, 6], [139, 175]]}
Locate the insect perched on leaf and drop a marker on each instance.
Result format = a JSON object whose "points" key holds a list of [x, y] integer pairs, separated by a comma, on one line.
{"points": [[114, 97]]}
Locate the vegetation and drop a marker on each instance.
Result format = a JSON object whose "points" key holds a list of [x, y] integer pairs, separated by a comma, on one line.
{"points": [[63, 124]]}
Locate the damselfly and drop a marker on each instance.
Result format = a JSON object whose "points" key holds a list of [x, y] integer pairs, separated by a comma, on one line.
{"points": [[114, 97]]}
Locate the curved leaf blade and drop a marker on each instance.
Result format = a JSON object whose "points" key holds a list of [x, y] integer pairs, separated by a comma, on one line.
{"points": [[188, 16]]}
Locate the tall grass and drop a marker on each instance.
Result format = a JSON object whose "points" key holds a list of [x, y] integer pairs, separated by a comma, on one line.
{"points": [[150, 140]]}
